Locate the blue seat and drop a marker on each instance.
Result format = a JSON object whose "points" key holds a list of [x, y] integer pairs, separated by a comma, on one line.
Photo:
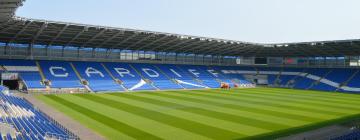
{"points": [[61, 74], [97, 77], [232, 72], [159, 79], [285, 79], [355, 135], [355, 81], [182, 77], [31, 127], [31, 78], [199, 72], [129, 77]]}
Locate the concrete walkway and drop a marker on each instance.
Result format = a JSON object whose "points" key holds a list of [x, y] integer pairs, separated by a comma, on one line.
{"points": [[78, 129]]}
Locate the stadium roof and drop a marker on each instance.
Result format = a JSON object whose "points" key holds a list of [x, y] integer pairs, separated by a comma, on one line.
{"points": [[8, 8], [44, 32]]}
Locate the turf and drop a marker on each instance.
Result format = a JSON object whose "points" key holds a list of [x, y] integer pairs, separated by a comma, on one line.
{"points": [[206, 114]]}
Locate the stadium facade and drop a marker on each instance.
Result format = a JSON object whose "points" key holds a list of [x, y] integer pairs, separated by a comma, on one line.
{"points": [[51, 56]]}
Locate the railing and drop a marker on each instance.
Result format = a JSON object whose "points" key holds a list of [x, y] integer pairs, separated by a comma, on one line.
{"points": [[71, 134], [57, 90], [59, 136]]}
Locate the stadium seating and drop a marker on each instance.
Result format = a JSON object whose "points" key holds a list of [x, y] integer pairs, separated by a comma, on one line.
{"points": [[97, 77], [156, 76], [236, 74], [355, 135], [180, 76], [216, 73], [112, 76], [272, 79], [29, 122], [130, 79], [60, 74], [353, 81], [303, 82], [288, 76], [273, 74], [319, 73], [27, 71], [32, 80], [201, 73]]}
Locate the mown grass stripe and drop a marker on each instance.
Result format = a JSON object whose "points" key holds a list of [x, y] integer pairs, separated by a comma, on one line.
{"points": [[270, 102], [259, 107], [293, 113], [296, 100], [251, 114], [215, 114], [307, 100], [280, 108], [101, 128], [309, 93], [313, 96], [145, 124], [329, 98], [305, 94], [195, 127], [203, 119], [115, 124]]}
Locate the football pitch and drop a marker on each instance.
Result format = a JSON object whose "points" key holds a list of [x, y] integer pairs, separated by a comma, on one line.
{"points": [[259, 113]]}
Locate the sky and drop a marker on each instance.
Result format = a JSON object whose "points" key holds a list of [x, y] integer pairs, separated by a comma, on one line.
{"points": [[258, 21]]}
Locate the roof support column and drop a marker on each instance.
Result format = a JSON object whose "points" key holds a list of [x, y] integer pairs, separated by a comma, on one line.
{"points": [[132, 55], [176, 57], [108, 53], [47, 50], [203, 58], [220, 58], [62, 51], [6, 48], [30, 51], [10, 50], [93, 53], [78, 52], [120, 54]]}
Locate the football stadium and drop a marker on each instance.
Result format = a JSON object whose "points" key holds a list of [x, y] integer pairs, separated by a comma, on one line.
{"points": [[70, 81]]}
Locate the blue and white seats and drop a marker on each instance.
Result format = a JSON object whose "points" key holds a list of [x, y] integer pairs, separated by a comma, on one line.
{"points": [[272, 73], [97, 77], [305, 80], [355, 135], [29, 122], [129, 76], [216, 73], [237, 74], [159, 80], [60, 74], [180, 76], [288, 76], [353, 85], [27, 70], [202, 73], [318, 74], [130, 79], [337, 78]]}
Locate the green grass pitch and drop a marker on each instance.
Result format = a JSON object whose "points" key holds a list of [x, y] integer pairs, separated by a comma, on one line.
{"points": [[259, 113]]}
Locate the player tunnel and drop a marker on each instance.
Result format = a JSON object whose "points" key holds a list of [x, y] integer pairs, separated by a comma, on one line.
{"points": [[11, 80]]}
